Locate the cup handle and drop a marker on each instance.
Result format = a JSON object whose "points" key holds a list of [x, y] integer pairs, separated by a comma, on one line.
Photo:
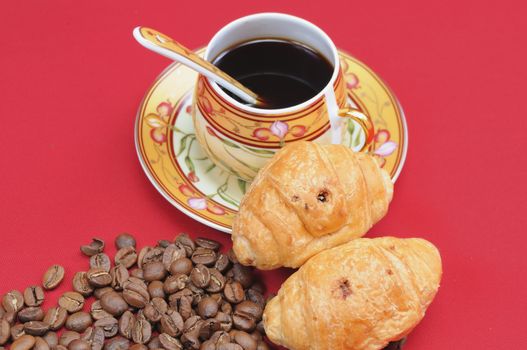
{"points": [[363, 120]]}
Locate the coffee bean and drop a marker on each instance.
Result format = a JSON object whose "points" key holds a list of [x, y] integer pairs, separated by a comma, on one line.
{"points": [[175, 283], [142, 331], [79, 321], [67, 337], [232, 256], [169, 343], [119, 275], [95, 337], [221, 337], [5, 331], [95, 247], [135, 293], [190, 341], [71, 301], [250, 309], [138, 347], [208, 243], [163, 243], [243, 322], [172, 323], [10, 317], [60, 347], [204, 256], [99, 292], [125, 240], [81, 284], [13, 301], [24, 342], [154, 343], [185, 307], [31, 314], [56, 318], [243, 274], [113, 303], [40, 344], [100, 261], [256, 297], [229, 346], [233, 292], [17, 331], [245, 340], [208, 345], [208, 327], [155, 289], [207, 307], [79, 344], [154, 271], [117, 343], [36, 328], [181, 266], [137, 273], [126, 324], [262, 346], [52, 277], [200, 276], [97, 312], [51, 338], [223, 263], [126, 256], [152, 255], [98, 277], [109, 325], [217, 281], [172, 253], [225, 321], [187, 243], [227, 308], [260, 328], [33, 296]]}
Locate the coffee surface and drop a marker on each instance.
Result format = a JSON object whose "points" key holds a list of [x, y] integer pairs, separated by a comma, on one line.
{"points": [[283, 73]]}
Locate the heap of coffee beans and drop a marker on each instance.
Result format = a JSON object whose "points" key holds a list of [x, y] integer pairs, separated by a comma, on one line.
{"points": [[180, 294]]}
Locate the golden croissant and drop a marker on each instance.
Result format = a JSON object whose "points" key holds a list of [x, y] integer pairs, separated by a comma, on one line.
{"points": [[358, 296], [308, 198]]}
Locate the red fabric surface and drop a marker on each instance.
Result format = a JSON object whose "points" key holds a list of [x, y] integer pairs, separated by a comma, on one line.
{"points": [[71, 78]]}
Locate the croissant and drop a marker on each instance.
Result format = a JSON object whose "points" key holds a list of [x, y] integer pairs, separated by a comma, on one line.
{"points": [[358, 296], [308, 198]]}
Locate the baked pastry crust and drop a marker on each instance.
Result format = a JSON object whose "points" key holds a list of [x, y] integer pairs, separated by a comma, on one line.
{"points": [[309, 198], [358, 296]]}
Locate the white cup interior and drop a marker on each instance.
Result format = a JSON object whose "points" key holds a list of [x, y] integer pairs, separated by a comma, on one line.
{"points": [[273, 25]]}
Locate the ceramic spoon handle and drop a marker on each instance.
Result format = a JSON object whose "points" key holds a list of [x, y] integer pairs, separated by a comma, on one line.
{"points": [[166, 46]]}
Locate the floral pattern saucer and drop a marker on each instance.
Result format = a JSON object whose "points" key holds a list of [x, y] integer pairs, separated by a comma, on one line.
{"points": [[178, 168]]}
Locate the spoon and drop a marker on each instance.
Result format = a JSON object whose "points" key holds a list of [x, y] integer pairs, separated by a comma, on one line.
{"points": [[168, 47]]}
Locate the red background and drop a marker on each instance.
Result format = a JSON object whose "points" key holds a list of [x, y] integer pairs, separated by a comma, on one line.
{"points": [[71, 78]]}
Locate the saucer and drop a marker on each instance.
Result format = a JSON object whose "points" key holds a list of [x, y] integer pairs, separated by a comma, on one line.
{"points": [[179, 169]]}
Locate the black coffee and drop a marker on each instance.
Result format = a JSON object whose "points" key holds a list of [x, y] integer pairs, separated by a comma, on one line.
{"points": [[283, 73]]}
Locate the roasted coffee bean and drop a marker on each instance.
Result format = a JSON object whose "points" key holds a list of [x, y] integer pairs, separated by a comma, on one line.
{"points": [[125, 240], [81, 284], [117, 343], [95, 247], [99, 292], [250, 309], [31, 314], [113, 303], [24, 342], [97, 312], [67, 337], [56, 318], [40, 344], [208, 327], [149, 255], [190, 341], [223, 263], [137, 273], [174, 299], [243, 322], [17, 331], [163, 243], [169, 343], [200, 276], [33, 296], [260, 327], [217, 281], [2, 311], [100, 261], [181, 266], [197, 293], [10, 317], [135, 293], [221, 337], [126, 324], [71, 301], [142, 331], [160, 305], [138, 347], [99, 277], [119, 275], [208, 243], [232, 256], [52, 277], [13, 301], [233, 292], [154, 271], [243, 274], [245, 340], [254, 296], [79, 321], [172, 253], [175, 283], [172, 323], [51, 338], [225, 321], [229, 346], [79, 344], [151, 313], [155, 289], [126, 256], [208, 307], [262, 346], [192, 324], [226, 308], [109, 325], [95, 337], [256, 335], [5, 331], [185, 307], [187, 243], [395, 345], [36, 328], [154, 343], [208, 345], [204, 256]]}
